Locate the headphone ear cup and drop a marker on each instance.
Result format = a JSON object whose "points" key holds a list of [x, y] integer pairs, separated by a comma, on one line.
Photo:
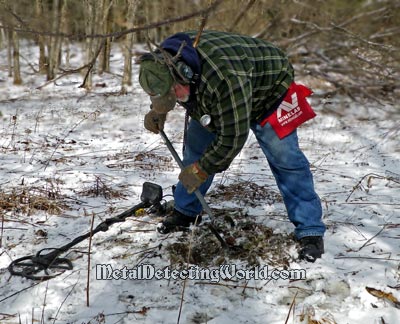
{"points": [[184, 72]]}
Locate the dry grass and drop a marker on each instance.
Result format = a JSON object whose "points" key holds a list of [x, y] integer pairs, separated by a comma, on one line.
{"points": [[248, 193], [101, 188], [29, 200], [147, 161]]}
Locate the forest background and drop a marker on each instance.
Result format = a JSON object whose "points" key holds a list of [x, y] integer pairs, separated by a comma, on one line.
{"points": [[345, 47], [73, 146]]}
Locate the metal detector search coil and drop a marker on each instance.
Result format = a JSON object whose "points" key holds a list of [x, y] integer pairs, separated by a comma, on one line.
{"points": [[46, 266]]}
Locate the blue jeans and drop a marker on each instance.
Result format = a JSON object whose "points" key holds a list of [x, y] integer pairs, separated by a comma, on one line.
{"points": [[288, 164]]}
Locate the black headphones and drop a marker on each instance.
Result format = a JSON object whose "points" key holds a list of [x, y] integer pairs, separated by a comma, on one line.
{"points": [[183, 72]]}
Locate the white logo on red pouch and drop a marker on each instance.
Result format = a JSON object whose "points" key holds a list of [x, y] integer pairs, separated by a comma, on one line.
{"points": [[291, 109]]}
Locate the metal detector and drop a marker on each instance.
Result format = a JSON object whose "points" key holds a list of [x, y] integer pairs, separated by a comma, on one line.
{"points": [[43, 266]]}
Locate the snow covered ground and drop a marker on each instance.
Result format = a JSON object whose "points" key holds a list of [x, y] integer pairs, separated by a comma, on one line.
{"points": [[67, 155]]}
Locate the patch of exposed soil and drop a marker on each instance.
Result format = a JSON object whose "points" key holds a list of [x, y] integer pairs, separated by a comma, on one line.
{"points": [[248, 193], [250, 242]]}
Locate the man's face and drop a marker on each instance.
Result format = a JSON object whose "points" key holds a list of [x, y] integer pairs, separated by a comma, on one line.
{"points": [[164, 104], [182, 92]]}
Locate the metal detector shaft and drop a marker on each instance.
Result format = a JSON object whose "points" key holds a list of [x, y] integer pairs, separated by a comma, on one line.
{"points": [[30, 266]]}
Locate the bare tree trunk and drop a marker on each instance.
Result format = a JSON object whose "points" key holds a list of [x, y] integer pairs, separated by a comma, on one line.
{"points": [[127, 46], [41, 39], [158, 12], [9, 53], [104, 57], [16, 66], [13, 50], [63, 23], [152, 10], [55, 41], [3, 39], [52, 41], [90, 27], [64, 43], [101, 4]]}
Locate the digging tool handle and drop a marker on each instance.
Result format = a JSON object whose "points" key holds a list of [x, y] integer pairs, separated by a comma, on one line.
{"points": [[198, 194], [178, 160]]}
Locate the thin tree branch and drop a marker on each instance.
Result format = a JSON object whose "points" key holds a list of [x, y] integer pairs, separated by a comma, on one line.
{"points": [[88, 265], [20, 291], [371, 238], [117, 35], [92, 63], [241, 14]]}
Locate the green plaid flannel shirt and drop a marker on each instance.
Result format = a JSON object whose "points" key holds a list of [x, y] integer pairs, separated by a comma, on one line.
{"points": [[241, 79]]}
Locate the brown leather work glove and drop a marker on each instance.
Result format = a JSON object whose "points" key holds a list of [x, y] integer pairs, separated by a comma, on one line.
{"points": [[154, 122], [192, 177]]}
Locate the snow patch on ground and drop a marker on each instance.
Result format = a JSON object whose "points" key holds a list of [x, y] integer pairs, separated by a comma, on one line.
{"points": [[65, 142]]}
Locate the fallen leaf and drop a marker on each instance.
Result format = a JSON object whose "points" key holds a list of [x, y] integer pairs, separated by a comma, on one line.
{"points": [[384, 295]]}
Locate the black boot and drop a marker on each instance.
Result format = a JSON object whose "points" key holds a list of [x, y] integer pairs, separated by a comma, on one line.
{"points": [[177, 222], [162, 209], [311, 248]]}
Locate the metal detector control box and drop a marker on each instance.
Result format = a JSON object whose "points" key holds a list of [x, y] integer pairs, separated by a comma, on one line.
{"points": [[151, 193]]}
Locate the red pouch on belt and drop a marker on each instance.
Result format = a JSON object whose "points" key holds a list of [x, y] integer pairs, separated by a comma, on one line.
{"points": [[292, 112]]}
